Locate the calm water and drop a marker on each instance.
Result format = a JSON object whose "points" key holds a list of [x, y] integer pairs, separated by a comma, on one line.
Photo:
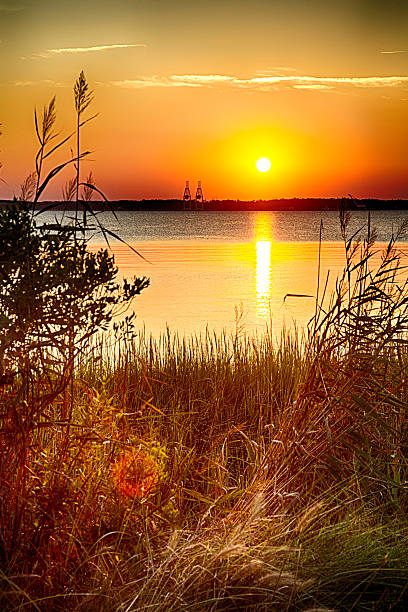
{"points": [[204, 266]]}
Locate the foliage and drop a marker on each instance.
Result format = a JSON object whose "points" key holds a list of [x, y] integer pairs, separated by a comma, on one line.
{"points": [[51, 286], [173, 493], [55, 294]]}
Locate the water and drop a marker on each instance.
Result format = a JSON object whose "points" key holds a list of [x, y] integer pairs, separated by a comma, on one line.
{"points": [[209, 268]]}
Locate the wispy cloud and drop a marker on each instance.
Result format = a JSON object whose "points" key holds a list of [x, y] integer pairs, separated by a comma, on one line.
{"points": [[6, 8], [256, 83], [393, 52], [46, 82], [93, 49], [312, 86], [153, 81], [202, 78], [277, 70], [372, 81], [263, 83]]}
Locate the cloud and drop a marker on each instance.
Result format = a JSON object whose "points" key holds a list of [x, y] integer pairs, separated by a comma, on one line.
{"points": [[46, 82], [73, 50], [313, 86], [202, 78], [392, 52], [277, 70], [6, 8], [153, 81], [264, 83], [376, 81]]}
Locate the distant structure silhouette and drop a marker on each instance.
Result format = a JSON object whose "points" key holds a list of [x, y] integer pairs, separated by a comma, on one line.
{"points": [[187, 196], [198, 202], [199, 197]]}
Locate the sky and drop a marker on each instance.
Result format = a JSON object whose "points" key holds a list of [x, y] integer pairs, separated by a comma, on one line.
{"points": [[200, 90]]}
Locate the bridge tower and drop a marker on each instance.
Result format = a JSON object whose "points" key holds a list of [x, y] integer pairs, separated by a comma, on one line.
{"points": [[199, 197], [187, 196]]}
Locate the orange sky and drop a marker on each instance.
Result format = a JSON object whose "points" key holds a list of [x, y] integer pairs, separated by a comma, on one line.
{"points": [[200, 90]]}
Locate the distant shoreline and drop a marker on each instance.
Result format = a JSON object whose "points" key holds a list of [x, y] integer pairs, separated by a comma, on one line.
{"points": [[285, 204]]}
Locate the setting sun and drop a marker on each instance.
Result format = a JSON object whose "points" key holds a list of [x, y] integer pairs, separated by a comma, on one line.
{"points": [[263, 164]]}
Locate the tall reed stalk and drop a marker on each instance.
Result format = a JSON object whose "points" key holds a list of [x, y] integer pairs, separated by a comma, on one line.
{"points": [[82, 98]]}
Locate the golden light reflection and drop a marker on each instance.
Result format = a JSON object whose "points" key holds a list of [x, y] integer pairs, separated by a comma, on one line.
{"points": [[263, 246], [263, 278], [259, 272]]}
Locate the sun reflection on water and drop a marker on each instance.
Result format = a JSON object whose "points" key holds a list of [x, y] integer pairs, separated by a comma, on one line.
{"points": [[263, 277], [263, 246]]}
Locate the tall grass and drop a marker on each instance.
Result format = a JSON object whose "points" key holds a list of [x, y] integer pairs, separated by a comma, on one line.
{"points": [[225, 473]]}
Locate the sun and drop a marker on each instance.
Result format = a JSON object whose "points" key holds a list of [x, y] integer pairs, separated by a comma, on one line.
{"points": [[263, 164]]}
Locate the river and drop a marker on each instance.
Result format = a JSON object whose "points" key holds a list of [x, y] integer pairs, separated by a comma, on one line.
{"points": [[216, 269]]}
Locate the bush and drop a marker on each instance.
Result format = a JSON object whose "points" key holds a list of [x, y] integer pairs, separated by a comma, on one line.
{"points": [[55, 294]]}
